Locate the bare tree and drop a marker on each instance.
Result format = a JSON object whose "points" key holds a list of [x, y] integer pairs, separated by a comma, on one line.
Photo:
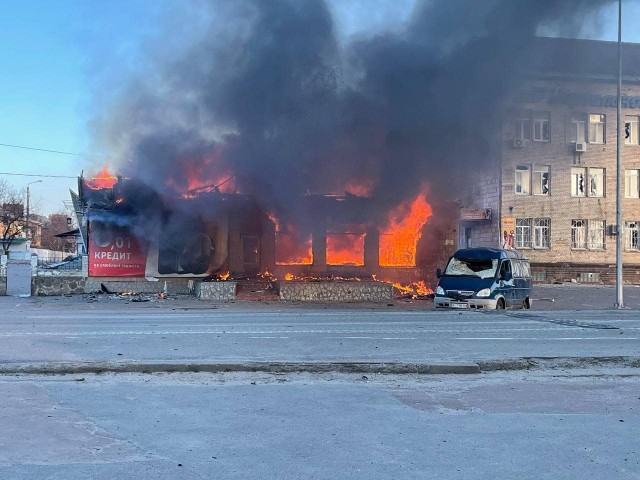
{"points": [[12, 215], [56, 223]]}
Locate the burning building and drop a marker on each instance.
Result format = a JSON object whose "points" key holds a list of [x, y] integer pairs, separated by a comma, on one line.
{"points": [[269, 141], [135, 232]]}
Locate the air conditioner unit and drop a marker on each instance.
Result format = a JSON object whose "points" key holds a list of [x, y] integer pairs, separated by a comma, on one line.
{"points": [[612, 230], [518, 143], [581, 147]]}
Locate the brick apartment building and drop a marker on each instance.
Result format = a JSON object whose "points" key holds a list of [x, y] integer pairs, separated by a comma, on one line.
{"points": [[552, 193]]}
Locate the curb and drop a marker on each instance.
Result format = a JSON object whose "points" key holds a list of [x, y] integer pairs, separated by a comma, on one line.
{"points": [[389, 368], [250, 367]]}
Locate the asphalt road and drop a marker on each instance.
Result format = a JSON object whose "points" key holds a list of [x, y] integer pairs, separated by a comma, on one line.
{"points": [[72, 330], [247, 426]]}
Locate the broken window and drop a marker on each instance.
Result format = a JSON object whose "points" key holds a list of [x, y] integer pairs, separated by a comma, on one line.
{"points": [[632, 230], [596, 234], [541, 180], [523, 233], [345, 249], [597, 128], [596, 182], [523, 180], [631, 185], [578, 182], [578, 234], [631, 130], [542, 233]]}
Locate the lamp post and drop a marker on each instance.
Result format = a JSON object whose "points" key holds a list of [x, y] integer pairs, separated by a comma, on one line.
{"points": [[619, 279], [28, 229]]}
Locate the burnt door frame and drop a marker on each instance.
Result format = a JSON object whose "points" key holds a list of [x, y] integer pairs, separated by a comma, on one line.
{"points": [[250, 268]]}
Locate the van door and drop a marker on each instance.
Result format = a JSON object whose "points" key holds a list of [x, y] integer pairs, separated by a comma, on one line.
{"points": [[506, 288], [519, 283], [527, 282]]}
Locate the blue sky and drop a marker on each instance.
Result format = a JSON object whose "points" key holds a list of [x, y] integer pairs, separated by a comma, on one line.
{"points": [[57, 55]]}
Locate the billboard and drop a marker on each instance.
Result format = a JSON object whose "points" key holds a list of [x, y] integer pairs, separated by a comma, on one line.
{"points": [[508, 228], [115, 252]]}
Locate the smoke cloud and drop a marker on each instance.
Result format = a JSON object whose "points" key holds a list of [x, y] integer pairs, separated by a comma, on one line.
{"points": [[267, 93]]}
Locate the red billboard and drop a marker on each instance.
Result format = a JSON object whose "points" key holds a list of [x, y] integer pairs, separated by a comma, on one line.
{"points": [[115, 252]]}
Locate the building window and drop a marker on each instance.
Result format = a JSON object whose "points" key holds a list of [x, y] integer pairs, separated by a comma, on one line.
{"points": [[596, 128], [542, 237], [523, 128], [578, 177], [578, 234], [631, 130], [578, 129], [523, 233], [596, 182], [594, 187], [596, 234], [541, 131], [523, 180], [632, 230], [631, 185], [541, 180]]}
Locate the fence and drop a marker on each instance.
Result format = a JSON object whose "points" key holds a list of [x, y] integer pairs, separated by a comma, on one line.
{"points": [[56, 261]]}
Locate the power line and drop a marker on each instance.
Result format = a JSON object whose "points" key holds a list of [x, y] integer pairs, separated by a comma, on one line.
{"points": [[34, 175], [23, 147]]}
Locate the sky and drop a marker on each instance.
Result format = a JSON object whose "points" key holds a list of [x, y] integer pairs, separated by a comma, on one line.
{"points": [[60, 60]]}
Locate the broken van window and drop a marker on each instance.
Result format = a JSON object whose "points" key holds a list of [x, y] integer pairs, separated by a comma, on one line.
{"points": [[472, 267]]}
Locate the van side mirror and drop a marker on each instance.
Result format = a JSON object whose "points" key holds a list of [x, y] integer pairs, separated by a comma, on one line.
{"points": [[438, 272], [506, 276]]}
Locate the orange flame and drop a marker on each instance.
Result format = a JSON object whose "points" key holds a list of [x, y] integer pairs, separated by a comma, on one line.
{"points": [[399, 239], [224, 276], [345, 249], [288, 276], [103, 179], [203, 175], [292, 247]]}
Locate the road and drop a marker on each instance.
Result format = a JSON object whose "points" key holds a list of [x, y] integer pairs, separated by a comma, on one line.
{"points": [[71, 330], [257, 426], [541, 424]]}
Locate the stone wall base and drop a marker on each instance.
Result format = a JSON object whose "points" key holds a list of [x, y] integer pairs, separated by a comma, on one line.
{"points": [[173, 287], [335, 291], [216, 291], [42, 286]]}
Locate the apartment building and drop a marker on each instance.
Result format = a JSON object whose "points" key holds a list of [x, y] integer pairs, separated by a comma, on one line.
{"points": [[552, 195]]}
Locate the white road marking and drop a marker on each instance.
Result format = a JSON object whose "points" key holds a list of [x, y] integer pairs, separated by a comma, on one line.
{"points": [[546, 338], [271, 337]]}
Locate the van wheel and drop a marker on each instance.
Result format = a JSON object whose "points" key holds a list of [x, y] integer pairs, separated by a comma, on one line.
{"points": [[500, 304], [527, 304]]}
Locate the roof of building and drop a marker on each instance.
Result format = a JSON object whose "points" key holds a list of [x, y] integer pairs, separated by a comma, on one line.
{"points": [[577, 58]]}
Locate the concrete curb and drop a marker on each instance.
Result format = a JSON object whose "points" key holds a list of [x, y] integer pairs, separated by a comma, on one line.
{"points": [[265, 367], [389, 368]]}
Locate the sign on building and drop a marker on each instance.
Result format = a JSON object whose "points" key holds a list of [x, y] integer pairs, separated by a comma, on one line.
{"points": [[508, 229], [115, 252]]}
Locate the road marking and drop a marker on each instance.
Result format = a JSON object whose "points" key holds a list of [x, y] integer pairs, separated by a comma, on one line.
{"points": [[546, 339], [270, 337]]}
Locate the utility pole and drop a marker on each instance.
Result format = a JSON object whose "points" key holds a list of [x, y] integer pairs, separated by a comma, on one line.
{"points": [[619, 292], [28, 230]]}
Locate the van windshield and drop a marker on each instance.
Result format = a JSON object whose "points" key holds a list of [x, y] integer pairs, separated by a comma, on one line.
{"points": [[461, 267]]}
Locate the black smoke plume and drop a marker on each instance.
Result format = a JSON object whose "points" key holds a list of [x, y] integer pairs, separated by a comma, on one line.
{"points": [[269, 94]]}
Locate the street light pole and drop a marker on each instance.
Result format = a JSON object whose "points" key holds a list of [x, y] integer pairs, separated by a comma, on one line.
{"points": [[619, 279], [28, 230]]}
